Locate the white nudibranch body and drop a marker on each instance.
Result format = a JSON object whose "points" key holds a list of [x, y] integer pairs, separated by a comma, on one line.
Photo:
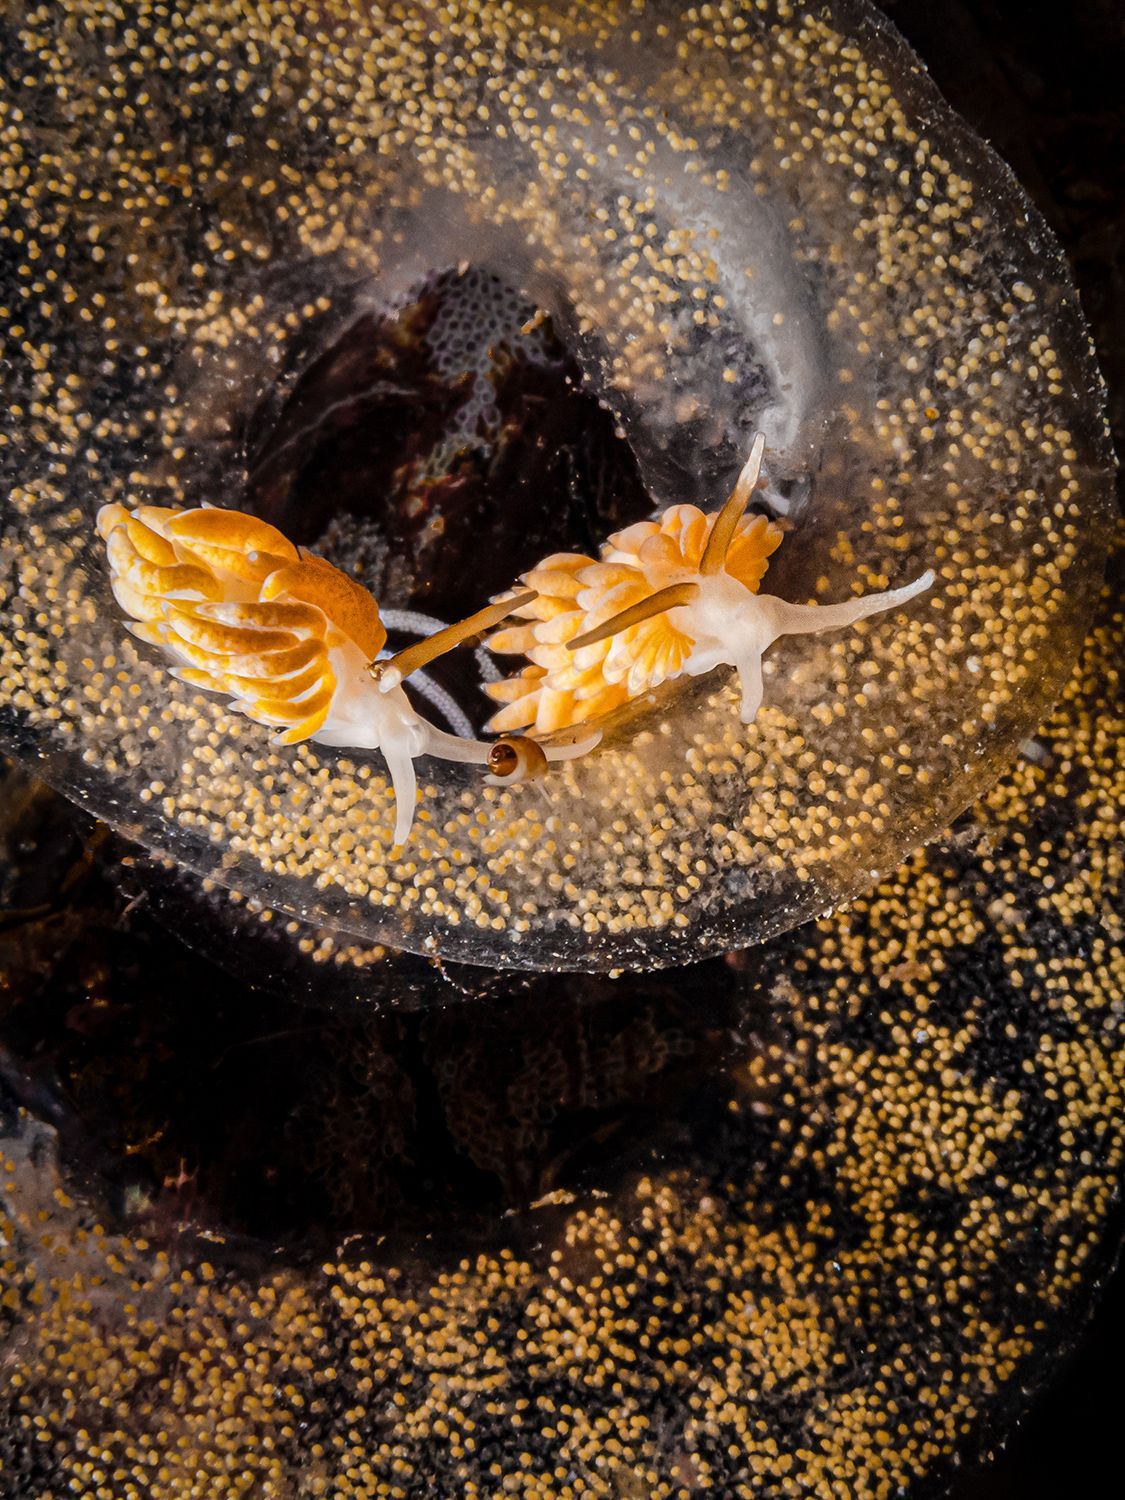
{"points": [[731, 626], [673, 597], [290, 640]]}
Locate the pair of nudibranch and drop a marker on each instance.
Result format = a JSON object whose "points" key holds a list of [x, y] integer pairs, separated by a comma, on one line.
{"points": [[295, 643]]}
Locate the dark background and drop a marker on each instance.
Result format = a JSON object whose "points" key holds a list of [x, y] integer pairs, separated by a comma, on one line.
{"points": [[1045, 84]]}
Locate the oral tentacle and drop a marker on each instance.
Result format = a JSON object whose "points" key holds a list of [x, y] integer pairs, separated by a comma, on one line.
{"points": [[752, 686], [404, 781]]}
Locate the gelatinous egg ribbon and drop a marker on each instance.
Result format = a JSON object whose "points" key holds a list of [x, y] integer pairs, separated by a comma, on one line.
{"points": [[738, 218]]}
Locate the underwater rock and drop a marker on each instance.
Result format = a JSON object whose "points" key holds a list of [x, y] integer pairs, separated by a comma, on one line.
{"points": [[734, 219]]}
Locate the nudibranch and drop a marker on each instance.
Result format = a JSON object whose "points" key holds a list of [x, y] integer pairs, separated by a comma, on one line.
{"points": [[292, 641], [678, 595], [733, 218]]}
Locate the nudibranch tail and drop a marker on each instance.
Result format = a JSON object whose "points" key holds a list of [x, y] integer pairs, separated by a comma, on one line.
{"points": [[289, 639], [670, 597], [809, 619]]}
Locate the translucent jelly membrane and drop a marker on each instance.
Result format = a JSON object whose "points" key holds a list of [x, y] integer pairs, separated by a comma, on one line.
{"points": [[749, 220]]}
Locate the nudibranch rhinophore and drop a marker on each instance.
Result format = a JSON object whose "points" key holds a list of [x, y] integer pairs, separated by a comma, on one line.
{"points": [[292, 641], [670, 597], [738, 218]]}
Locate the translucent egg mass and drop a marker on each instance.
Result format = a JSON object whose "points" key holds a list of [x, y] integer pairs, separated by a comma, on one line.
{"points": [[441, 293]]}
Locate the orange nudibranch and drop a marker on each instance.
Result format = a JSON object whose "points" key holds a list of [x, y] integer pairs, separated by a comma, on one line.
{"points": [[670, 597], [291, 640]]}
